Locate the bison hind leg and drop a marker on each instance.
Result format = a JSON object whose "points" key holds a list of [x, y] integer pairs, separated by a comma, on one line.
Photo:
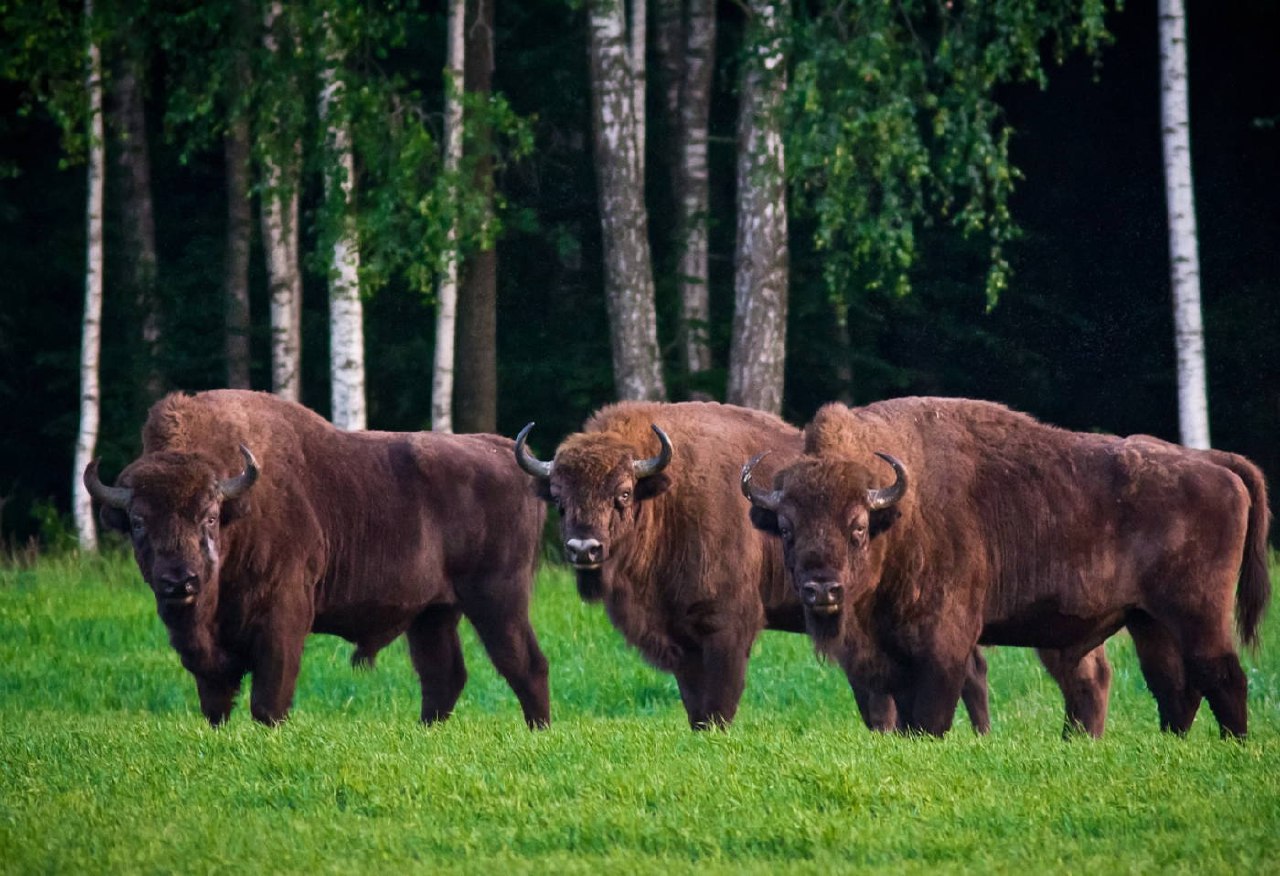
{"points": [[1162, 666], [363, 658]]}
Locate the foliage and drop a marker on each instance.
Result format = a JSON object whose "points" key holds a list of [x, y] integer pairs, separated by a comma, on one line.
{"points": [[106, 764], [893, 124]]}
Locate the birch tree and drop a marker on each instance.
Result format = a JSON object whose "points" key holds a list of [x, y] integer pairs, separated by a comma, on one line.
{"points": [[757, 353], [447, 304], [1184, 258], [628, 269], [346, 319], [281, 158], [91, 327], [639, 41], [692, 193]]}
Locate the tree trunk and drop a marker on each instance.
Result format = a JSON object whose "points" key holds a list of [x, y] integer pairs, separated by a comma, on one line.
{"points": [[447, 306], [757, 353], [138, 214], [235, 281], [280, 240], [91, 328], [633, 326], [669, 49], [476, 392], [346, 314], [1184, 258], [692, 194], [639, 40]]}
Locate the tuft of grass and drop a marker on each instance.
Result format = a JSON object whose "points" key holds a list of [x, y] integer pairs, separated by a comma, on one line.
{"points": [[107, 766]]}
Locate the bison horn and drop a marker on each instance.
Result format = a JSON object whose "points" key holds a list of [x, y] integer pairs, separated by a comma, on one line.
{"points": [[527, 460], [114, 497], [767, 501], [234, 487], [889, 495], [643, 468]]}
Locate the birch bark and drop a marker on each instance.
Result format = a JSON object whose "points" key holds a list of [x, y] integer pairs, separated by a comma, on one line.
{"points": [[633, 327], [1184, 258], [346, 314], [280, 235], [447, 305], [692, 194], [91, 327], [235, 281], [757, 353]]}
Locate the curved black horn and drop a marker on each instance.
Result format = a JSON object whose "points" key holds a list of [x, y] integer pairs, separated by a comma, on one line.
{"points": [[115, 497], [527, 460], [767, 501], [234, 487], [644, 468], [886, 496]]}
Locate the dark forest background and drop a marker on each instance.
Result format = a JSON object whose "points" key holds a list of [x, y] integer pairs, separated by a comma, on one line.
{"points": [[1082, 337]]}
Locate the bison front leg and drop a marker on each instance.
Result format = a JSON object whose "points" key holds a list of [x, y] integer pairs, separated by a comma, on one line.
{"points": [[275, 676], [217, 695], [934, 695], [437, 656], [974, 693], [722, 677]]}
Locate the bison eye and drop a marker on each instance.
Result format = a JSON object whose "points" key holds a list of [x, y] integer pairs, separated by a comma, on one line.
{"points": [[624, 496], [785, 532], [138, 525], [211, 520]]}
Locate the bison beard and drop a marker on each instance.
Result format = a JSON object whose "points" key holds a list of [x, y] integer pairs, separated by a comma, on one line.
{"points": [[1013, 532], [364, 535]]}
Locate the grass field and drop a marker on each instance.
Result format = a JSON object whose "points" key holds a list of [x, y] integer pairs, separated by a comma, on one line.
{"points": [[107, 766]]}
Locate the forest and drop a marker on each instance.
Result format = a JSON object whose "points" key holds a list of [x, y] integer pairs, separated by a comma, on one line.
{"points": [[973, 204]]}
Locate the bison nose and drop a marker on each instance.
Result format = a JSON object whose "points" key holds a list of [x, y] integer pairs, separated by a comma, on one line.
{"points": [[584, 551], [178, 583], [822, 595]]}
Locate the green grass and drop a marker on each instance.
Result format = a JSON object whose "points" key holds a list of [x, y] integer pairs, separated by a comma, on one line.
{"points": [[107, 766]]}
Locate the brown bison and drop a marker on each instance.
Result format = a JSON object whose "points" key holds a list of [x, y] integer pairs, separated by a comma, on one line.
{"points": [[1002, 530], [256, 522], [653, 526]]}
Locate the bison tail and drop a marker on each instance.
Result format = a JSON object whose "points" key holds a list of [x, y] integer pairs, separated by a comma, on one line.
{"points": [[1254, 591]]}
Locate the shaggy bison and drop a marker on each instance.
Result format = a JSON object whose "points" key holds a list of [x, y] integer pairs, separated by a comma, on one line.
{"points": [[653, 526], [256, 522], [1002, 530]]}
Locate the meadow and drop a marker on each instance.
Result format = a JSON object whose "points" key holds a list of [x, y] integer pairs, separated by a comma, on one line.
{"points": [[106, 765]]}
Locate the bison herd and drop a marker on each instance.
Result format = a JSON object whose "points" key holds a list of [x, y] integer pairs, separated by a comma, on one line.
{"points": [[901, 537]]}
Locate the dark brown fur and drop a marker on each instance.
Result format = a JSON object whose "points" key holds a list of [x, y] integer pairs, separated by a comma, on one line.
{"points": [[1018, 533], [684, 576], [364, 535]]}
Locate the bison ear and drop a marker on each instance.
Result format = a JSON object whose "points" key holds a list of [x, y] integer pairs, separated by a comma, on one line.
{"points": [[114, 518], [881, 520], [234, 509], [764, 520], [653, 485]]}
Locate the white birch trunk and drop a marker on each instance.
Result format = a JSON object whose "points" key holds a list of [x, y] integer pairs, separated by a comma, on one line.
{"points": [[639, 39], [447, 307], [633, 324], [1184, 258], [280, 243], [692, 194], [346, 314], [757, 353], [91, 333]]}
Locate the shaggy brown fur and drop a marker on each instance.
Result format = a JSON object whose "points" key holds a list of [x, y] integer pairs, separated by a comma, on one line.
{"points": [[1017, 533], [364, 535], [681, 572]]}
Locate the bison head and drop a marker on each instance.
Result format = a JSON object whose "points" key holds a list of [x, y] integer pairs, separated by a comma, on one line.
{"points": [[828, 515], [599, 482], [173, 505]]}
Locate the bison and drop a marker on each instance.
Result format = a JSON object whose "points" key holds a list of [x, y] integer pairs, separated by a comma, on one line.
{"points": [[999, 529], [653, 527], [256, 522]]}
